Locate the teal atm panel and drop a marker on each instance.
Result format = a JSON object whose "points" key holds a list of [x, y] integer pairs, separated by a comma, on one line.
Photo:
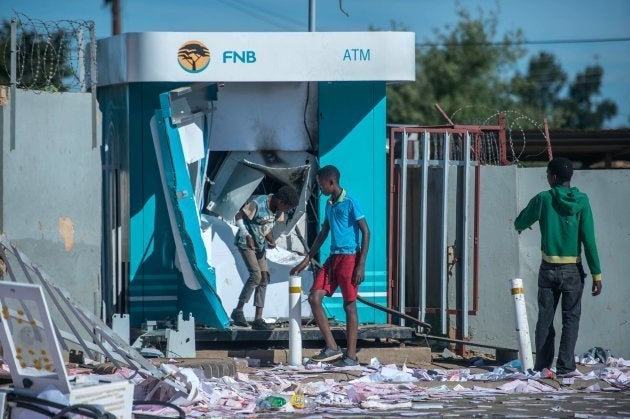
{"points": [[352, 137], [153, 279]]}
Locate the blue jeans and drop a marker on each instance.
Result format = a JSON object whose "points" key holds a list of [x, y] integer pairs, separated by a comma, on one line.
{"points": [[555, 281]]}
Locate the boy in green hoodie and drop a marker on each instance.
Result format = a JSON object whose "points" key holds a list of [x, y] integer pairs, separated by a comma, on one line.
{"points": [[566, 224]]}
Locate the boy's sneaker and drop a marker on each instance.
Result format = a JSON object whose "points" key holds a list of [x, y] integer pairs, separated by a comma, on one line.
{"points": [[260, 324], [239, 318], [327, 354], [570, 374], [346, 361]]}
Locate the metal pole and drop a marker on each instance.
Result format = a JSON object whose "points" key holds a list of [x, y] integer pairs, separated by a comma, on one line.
{"points": [[426, 138], [476, 224], [93, 81], [443, 242], [295, 320], [549, 152], [403, 227], [116, 27], [464, 239], [13, 83], [81, 60], [311, 15], [522, 326]]}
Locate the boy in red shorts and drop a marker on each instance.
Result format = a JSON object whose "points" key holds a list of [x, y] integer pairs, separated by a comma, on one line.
{"points": [[344, 268]]}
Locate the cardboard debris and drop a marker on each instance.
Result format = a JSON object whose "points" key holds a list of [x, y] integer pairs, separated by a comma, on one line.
{"points": [[378, 388]]}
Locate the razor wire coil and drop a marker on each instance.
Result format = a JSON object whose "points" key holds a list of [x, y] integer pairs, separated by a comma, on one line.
{"points": [[50, 55]]}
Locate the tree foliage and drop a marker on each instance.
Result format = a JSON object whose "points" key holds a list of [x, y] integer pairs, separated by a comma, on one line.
{"points": [[539, 93], [464, 70], [460, 70]]}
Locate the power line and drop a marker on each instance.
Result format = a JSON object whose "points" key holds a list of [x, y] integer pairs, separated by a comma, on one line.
{"points": [[256, 15], [539, 42], [278, 16]]}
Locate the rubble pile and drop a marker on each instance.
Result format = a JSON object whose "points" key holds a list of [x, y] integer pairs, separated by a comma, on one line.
{"points": [[327, 389]]}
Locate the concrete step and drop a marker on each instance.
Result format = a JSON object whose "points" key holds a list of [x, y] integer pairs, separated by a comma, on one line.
{"points": [[211, 366], [386, 355]]}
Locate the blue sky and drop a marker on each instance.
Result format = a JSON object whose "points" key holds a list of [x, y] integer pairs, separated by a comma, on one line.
{"points": [[540, 20]]}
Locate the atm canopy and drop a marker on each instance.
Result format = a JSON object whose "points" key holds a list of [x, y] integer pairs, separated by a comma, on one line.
{"points": [[256, 57]]}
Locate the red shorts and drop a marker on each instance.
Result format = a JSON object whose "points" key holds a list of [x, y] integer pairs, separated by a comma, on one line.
{"points": [[337, 272]]}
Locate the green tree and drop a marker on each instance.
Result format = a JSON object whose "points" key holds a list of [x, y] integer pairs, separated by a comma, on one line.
{"points": [[540, 87], [539, 93], [461, 70], [581, 109], [464, 70]]}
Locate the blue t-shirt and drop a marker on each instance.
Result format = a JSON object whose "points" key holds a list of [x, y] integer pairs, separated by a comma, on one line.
{"points": [[343, 216]]}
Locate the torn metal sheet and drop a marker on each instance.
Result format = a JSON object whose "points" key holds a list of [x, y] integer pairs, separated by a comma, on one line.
{"points": [[237, 189], [88, 331], [183, 197], [300, 178], [240, 173]]}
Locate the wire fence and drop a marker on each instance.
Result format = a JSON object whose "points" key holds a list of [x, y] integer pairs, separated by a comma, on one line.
{"points": [[48, 55]]}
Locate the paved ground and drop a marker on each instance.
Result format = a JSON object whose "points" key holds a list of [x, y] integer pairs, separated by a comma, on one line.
{"points": [[565, 400], [437, 398]]}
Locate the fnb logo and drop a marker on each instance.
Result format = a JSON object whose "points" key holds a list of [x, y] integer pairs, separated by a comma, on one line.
{"points": [[193, 56], [246, 57]]}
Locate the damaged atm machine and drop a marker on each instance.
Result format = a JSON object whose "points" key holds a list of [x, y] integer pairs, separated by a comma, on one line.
{"points": [[195, 124]]}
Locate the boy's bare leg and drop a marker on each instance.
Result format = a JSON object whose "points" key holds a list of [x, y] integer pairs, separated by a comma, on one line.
{"points": [[315, 300], [352, 325], [259, 311]]}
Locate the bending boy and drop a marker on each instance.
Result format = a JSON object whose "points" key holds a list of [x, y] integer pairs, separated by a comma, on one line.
{"points": [[566, 224], [255, 221], [344, 268]]}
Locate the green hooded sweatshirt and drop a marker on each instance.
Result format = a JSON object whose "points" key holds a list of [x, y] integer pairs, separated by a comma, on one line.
{"points": [[566, 224]]}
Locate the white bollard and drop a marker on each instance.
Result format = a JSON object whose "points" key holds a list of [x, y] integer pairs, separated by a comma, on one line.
{"points": [[522, 326], [295, 320]]}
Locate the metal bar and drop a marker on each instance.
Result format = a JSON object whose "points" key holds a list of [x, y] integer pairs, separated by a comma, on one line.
{"points": [[481, 345], [23, 265], [394, 312], [402, 194], [311, 15], [81, 318], [464, 239], [502, 141], [457, 129], [444, 238], [13, 83], [93, 81], [549, 152], [435, 310], [444, 115], [437, 163], [121, 290], [476, 225], [391, 253], [69, 322], [423, 224], [50, 290], [124, 356], [81, 60], [96, 328]]}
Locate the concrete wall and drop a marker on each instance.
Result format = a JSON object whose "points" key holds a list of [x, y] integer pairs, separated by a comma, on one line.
{"points": [[504, 254], [51, 189]]}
